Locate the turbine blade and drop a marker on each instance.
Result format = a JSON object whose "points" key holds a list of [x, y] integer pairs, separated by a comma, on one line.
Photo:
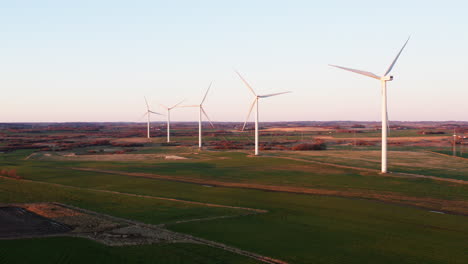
{"points": [[163, 106], [156, 113], [248, 115], [146, 101], [246, 83], [143, 116], [396, 58], [368, 74], [206, 115], [207, 90], [177, 104], [270, 95], [188, 106]]}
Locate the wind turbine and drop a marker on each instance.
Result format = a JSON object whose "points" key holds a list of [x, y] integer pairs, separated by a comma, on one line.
{"points": [[255, 103], [383, 80], [200, 112], [147, 114], [169, 119]]}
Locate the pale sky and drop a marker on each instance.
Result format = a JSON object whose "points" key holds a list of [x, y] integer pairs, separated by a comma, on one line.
{"points": [[95, 60]]}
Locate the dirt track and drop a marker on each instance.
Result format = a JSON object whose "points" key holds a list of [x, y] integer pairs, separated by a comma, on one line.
{"points": [[395, 174], [392, 139], [448, 206], [296, 129]]}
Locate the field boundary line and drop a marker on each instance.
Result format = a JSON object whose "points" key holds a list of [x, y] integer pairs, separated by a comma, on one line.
{"points": [[179, 237], [330, 164], [458, 207], [183, 235], [445, 155], [143, 196], [29, 156], [390, 174]]}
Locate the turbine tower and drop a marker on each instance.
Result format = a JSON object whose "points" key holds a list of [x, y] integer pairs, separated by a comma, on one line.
{"points": [[147, 114], [169, 119], [383, 80], [255, 103], [200, 112]]}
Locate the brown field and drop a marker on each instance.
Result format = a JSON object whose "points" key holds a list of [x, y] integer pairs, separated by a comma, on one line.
{"points": [[107, 157], [294, 129]]}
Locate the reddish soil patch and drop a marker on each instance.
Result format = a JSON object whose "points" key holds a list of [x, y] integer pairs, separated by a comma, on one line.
{"points": [[50, 210], [293, 129]]}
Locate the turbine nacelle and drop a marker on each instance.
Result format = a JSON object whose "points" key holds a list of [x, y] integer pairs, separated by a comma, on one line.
{"points": [[387, 78]]}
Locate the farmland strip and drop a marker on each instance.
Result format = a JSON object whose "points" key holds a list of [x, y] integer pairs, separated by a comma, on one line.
{"points": [[446, 206]]}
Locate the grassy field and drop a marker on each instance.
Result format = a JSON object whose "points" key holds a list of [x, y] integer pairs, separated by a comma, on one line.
{"points": [[273, 170], [154, 211], [304, 229], [417, 162], [79, 250], [450, 153], [298, 228]]}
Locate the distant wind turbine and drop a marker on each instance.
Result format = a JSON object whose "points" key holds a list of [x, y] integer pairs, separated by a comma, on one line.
{"points": [[147, 114], [169, 119], [200, 112], [383, 80], [255, 102]]}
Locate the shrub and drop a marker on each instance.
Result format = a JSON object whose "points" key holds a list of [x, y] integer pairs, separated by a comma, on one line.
{"points": [[365, 143], [10, 173], [309, 146], [431, 132], [169, 144]]}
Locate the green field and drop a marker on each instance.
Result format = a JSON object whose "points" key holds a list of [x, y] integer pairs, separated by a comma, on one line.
{"points": [[79, 250], [297, 228]]}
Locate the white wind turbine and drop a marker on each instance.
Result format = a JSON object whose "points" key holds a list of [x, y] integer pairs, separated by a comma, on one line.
{"points": [[147, 114], [169, 119], [200, 112], [255, 102], [383, 80]]}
